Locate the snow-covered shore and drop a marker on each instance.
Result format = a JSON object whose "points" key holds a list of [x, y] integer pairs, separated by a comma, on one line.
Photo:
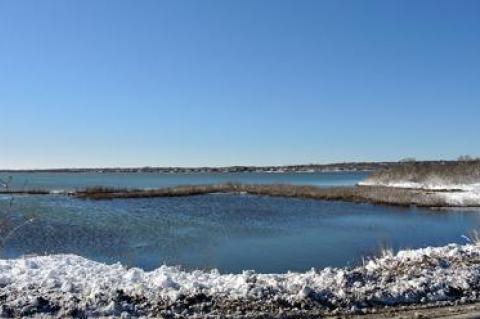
{"points": [[451, 184], [452, 194], [69, 285]]}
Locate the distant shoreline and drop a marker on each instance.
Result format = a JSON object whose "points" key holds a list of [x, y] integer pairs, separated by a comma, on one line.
{"points": [[301, 168], [422, 184]]}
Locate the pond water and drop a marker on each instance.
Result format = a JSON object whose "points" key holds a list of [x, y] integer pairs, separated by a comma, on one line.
{"points": [[75, 181], [225, 231]]}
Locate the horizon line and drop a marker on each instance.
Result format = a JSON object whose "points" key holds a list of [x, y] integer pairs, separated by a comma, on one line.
{"points": [[223, 166]]}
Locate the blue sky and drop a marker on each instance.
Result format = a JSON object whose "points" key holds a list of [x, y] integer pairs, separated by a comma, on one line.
{"points": [[190, 83]]}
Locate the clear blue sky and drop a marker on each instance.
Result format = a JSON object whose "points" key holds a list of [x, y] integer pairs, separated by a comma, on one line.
{"points": [[189, 83]]}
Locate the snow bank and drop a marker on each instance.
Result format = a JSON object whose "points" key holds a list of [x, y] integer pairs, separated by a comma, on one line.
{"points": [[69, 285]]}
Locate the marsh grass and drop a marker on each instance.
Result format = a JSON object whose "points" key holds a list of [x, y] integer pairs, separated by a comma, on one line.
{"points": [[386, 252], [356, 194], [473, 237], [25, 192]]}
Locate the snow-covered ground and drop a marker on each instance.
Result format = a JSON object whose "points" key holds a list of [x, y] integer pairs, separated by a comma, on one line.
{"points": [[453, 194], [63, 285], [431, 185]]}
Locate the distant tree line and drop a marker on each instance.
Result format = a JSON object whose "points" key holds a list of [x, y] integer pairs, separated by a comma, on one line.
{"points": [[467, 158], [461, 158]]}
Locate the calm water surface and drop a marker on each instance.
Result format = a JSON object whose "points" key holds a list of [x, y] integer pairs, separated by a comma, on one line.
{"points": [[73, 181], [225, 231]]}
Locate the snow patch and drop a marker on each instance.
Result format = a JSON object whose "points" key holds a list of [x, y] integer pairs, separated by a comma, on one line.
{"points": [[453, 194], [466, 198], [432, 185]]}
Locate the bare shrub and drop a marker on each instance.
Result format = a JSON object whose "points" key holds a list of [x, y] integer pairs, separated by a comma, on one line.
{"points": [[461, 172]]}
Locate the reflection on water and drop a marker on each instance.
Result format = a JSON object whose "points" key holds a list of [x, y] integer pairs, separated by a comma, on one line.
{"points": [[229, 232]]}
